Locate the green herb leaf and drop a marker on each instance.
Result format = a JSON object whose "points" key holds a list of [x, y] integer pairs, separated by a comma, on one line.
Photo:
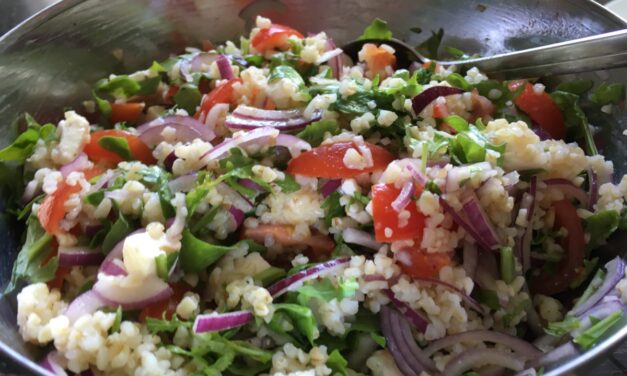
{"points": [[188, 98], [487, 297], [121, 227], [118, 320], [124, 86], [326, 290], [577, 87], [287, 72], [268, 276], [117, 145], [429, 48], [337, 363], [575, 119], [600, 226], [378, 29], [456, 122], [156, 326], [314, 132], [508, 265], [332, 208], [196, 255], [457, 80], [95, 198], [608, 94], [161, 262], [560, 328], [288, 185], [302, 318]]}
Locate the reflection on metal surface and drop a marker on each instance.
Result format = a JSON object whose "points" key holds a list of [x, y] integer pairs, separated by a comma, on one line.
{"points": [[52, 60]]}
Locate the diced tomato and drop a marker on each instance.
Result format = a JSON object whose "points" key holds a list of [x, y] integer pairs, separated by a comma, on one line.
{"points": [[274, 37], [98, 154], [128, 112], [574, 244], [440, 111], [327, 161], [221, 94], [377, 59], [419, 264], [319, 244], [156, 310], [386, 219], [52, 209], [541, 109], [169, 95]]}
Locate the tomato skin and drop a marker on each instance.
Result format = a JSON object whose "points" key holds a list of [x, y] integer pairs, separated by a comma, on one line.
{"points": [[156, 310], [274, 37], [221, 94], [377, 58], [98, 154], [327, 161], [128, 112], [541, 109], [419, 264], [52, 209], [550, 283], [384, 216]]}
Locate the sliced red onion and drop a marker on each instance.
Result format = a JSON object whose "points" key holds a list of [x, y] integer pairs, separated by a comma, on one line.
{"points": [[84, 304], [558, 355], [294, 144], [186, 129], [238, 216], [465, 297], [114, 293], [593, 192], [330, 187], [569, 189], [415, 318], [363, 238], [78, 164], [168, 162], [114, 267], [462, 222], [473, 358], [104, 180], [398, 334], [296, 280], [615, 272], [519, 346], [249, 183], [202, 59], [335, 63], [216, 322], [258, 135], [51, 364], [479, 220], [183, 183], [607, 307], [224, 66], [91, 229], [79, 256], [246, 117], [216, 113], [236, 199], [422, 100], [470, 256], [404, 197], [116, 254], [417, 175]]}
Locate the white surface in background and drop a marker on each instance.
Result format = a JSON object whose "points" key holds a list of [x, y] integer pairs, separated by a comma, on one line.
{"points": [[619, 7]]}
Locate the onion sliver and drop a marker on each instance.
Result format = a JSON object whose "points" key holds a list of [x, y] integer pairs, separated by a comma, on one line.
{"points": [[422, 100], [78, 164], [216, 322], [116, 253], [469, 359], [404, 197], [245, 117], [186, 129], [294, 144], [258, 135], [84, 304], [416, 319], [51, 364], [224, 66], [79, 256], [183, 183], [363, 238], [607, 307], [569, 189], [465, 297], [615, 272], [558, 355], [238, 216], [330, 187], [519, 346], [462, 222], [479, 220], [296, 280], [114, 292]]}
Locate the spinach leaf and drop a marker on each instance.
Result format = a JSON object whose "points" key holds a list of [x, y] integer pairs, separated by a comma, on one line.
{"points": [[337, 363], [287, 72], [314, 132], [301, 317], [188, 98], [28, 265], [378, 29], [120, 228], [608, 94], [25, 143], [600, 226], [326, 290], [117, 145], [196, 254]]}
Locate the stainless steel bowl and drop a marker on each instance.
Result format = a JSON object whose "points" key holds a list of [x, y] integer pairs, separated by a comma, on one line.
{"points": [[50, 62]]}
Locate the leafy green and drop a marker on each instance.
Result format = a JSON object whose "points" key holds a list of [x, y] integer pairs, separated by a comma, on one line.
{"points": [[156, 179], [118, 320], [378, 29], [28, 265], [353, 104], [591, 335], [608, 94], [25, 143], [487, 297], [123, 86], [560, 328], [314, 132], [459, 54], [575, 118], [161, 262], [156, 326], [120, 228], [471, 147], [508, 265], [600, 226], [457, 80], [268, 276], [594, 284], [589, 265], [456, 122], [301, 317], [287, 72], [332, 208], [429, 48], [288, 185], [196, 255], [188, 98], [577, 87], [95, 198], [326, 290], [337, 363], [117, 145]]}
